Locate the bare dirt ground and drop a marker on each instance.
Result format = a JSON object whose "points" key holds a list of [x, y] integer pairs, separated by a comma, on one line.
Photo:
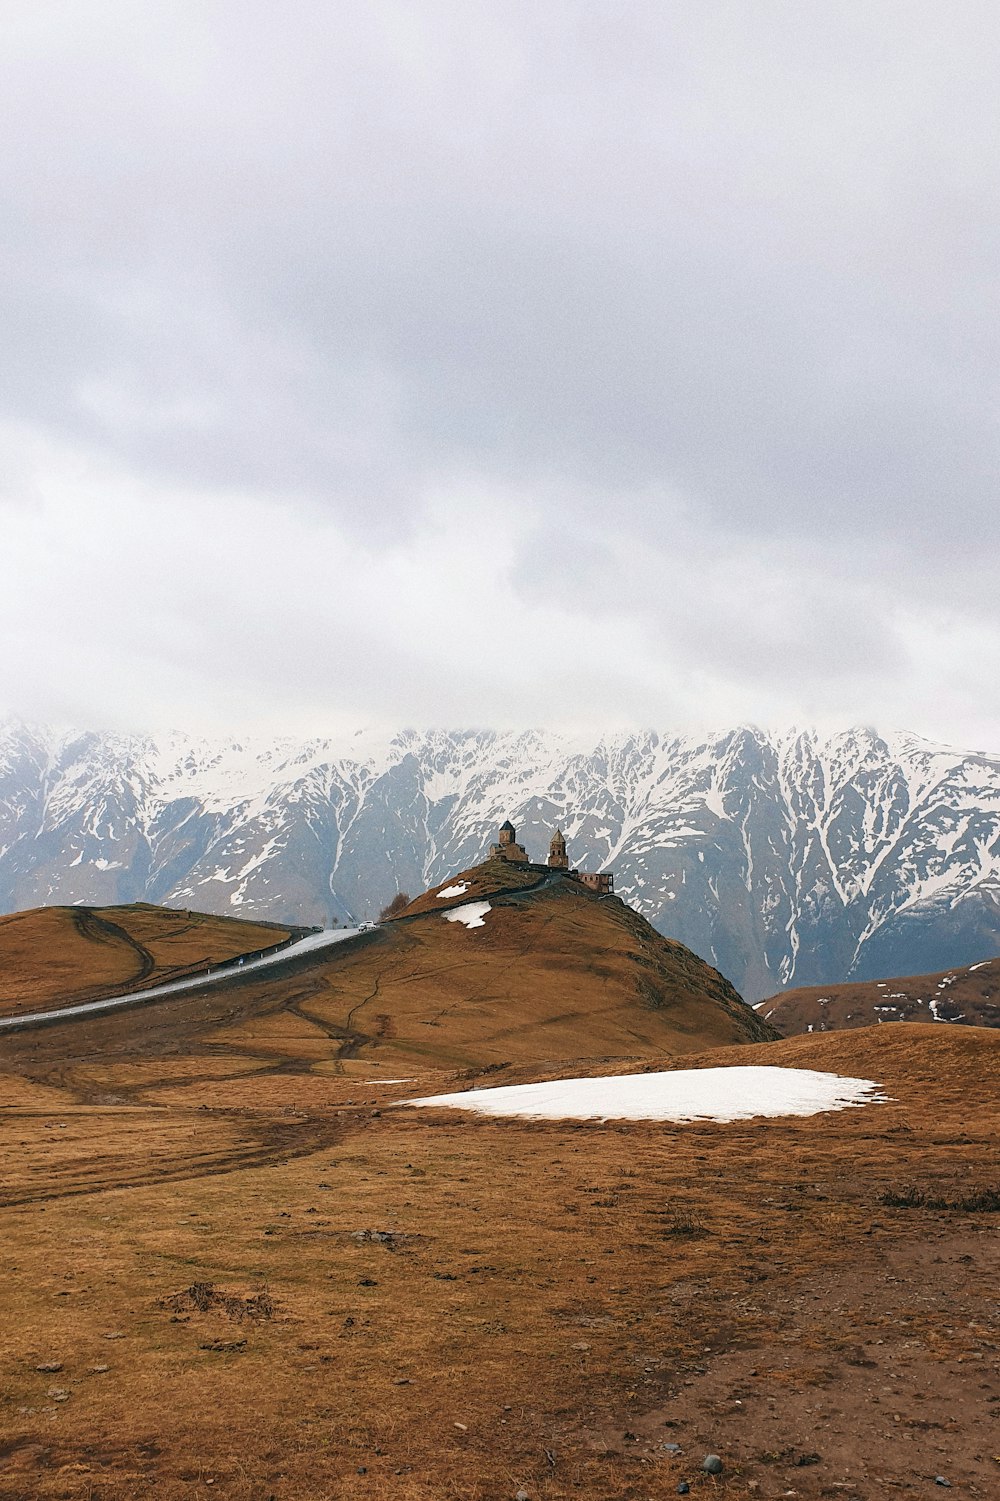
{"points": [[251, 1277]]}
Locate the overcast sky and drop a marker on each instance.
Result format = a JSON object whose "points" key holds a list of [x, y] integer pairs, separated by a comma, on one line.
{"points": [[443, 363]]}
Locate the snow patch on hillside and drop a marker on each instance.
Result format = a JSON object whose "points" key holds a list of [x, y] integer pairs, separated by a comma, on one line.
{"points": [[473, 914], [713, 1094]]}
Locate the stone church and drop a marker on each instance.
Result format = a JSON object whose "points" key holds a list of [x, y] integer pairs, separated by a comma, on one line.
{"points": [[507, 848]]}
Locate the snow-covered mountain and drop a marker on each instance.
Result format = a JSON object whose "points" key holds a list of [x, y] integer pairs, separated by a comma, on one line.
{"points": [[782, 858]]}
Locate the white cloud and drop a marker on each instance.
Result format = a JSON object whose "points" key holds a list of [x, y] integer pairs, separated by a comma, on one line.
{"points": [[495, 363]]}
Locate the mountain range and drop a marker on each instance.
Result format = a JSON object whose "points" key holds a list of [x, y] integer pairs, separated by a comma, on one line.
{"points": [[788, 858]]}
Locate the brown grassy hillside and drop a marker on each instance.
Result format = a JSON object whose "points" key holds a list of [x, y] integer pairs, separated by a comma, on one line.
{"points": [[57, 956], [492, 878], [969, 995], [233, 1268], [555, 973]]}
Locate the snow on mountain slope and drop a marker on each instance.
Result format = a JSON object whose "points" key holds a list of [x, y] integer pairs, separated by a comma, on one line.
{"points": [[783, 859]]}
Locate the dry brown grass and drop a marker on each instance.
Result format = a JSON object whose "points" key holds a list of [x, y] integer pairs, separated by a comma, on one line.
{"points": [[534, 1319], [556, 972], [533, 1291], [481, 882], [58, 956]]}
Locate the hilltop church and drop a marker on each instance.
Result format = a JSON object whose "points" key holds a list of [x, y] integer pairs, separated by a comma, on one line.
{"points": [[507, 848]]}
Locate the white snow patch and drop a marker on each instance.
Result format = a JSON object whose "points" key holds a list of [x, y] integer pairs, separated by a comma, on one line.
{"points": [[712, 797], [261, 858], [472, 914], [716, 1094], [981, 965], [453, 890]]}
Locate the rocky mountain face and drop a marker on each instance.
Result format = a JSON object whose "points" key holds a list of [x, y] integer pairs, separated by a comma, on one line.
{"points": [[783, 859]]}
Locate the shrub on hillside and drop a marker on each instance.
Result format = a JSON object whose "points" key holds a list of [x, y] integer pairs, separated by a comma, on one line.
{"points": [[979, 1201], [395, 907]]}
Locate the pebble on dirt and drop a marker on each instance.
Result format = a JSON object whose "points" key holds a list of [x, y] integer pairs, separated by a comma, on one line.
{"points": [[712, 1464]]}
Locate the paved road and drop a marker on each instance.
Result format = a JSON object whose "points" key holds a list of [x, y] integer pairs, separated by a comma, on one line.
{"points": [[306, 945]]}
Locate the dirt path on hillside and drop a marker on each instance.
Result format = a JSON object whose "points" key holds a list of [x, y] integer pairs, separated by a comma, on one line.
{"points": [[89, 925]]}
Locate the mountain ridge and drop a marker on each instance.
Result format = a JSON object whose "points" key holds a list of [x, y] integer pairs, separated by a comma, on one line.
{"points": [[783, 857], [966, 995]]}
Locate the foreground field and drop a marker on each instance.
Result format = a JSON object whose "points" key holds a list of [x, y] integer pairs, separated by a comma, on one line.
{"points": [[278, 1286]]}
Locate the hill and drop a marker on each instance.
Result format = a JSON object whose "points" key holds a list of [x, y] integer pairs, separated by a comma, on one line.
{"points": [[969, 996], [550, 972], [60, 956], [549, 969], [784, 858]]}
